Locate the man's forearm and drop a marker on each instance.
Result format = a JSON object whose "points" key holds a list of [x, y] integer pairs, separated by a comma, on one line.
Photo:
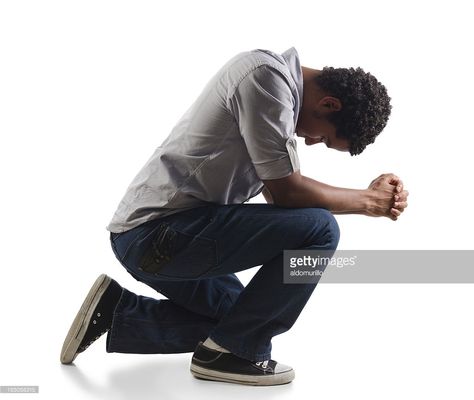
{"points": [[312, 193], [384, 196]]}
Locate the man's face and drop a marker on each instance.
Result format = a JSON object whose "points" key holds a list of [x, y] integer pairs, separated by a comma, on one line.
{"points": [[317, 129], [313, 124]]}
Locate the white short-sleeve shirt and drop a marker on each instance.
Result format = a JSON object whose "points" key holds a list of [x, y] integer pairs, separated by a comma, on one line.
{"points": [[240, 130]]}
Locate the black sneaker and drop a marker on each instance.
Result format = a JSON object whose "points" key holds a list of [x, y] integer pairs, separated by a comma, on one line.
{"points": [[227, 367], [93, 319]]}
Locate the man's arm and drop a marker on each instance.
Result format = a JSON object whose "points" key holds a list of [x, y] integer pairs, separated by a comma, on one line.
{"points": [[268, 196], [297, 190]]}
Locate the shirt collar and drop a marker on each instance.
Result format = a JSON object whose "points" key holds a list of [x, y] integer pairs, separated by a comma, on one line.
{"points": [[293, 61]]}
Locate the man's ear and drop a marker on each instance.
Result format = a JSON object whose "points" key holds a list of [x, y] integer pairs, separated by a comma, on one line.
{"points": [[332, 103]]}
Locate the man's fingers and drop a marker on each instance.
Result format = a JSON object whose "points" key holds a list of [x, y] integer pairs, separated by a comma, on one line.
{"points": [[402, 196], [395, 181], [400, 205], [399, 185], [395, 212]]}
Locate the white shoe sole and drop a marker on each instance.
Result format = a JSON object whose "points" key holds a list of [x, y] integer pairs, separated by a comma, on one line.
{"points": [[264, 380], [79, 326]]}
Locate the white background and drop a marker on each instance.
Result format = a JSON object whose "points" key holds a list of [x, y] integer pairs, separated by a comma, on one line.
{"points": [[88, 89]]}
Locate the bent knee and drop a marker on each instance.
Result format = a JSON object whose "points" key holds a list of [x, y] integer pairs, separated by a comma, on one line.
{"points": [[326, 229], [334, 231]]}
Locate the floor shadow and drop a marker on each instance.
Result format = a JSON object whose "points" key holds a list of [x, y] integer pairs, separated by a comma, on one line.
{"points": [[166, 379]]}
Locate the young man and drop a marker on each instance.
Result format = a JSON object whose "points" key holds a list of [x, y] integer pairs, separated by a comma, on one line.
{"points": [[184, 229]]}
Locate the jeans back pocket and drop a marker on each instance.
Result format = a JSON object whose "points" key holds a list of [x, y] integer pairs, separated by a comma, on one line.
{"points": [[175, 254]]}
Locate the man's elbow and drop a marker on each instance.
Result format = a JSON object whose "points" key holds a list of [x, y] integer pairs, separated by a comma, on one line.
{"points": [[282, 191], [267, 195], [284, 201]]}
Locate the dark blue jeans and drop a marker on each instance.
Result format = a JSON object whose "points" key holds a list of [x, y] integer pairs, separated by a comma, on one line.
{"points": [[191, 258]]}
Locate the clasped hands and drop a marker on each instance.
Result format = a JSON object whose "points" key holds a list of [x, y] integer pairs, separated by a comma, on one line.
{"points": [[387, 197]]}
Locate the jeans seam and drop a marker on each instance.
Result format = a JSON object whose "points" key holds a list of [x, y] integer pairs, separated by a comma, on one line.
{"points": [[115, 316]]}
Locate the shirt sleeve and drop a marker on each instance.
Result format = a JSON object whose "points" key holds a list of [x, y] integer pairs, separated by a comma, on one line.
{"points": [[263, 107]]}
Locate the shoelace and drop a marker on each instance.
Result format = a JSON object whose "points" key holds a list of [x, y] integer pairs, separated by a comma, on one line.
{"points": [[263, 364]]}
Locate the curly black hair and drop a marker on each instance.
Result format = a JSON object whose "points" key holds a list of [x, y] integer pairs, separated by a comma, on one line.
{"points": [[365, 105]]}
